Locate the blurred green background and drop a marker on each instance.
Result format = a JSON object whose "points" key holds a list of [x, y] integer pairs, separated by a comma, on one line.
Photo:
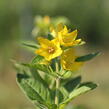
{"points": [[90, 17]]}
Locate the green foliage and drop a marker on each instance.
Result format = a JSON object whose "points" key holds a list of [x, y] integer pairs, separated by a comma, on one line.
{"points": [[31, 45], [39, 82], [87, 57], [38, 90], [46, 80], [37, 59], [35, 89], [72, 83], [83, 88]]}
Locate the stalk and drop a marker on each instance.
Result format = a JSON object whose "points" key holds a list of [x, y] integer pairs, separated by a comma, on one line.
{"points": [[57, 91], [57, 86]]}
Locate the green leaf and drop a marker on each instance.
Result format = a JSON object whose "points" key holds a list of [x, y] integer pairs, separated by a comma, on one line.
{"points": [[67, 74], [64, 92], [34, 89], [40, 67], [70, 86], [31, 45], [35, 64], [62, 106], [60, 95], [87, 57], [37, 59], [83, 88], [21, 68], [72, 83], [28, 90], [40, 106], [88, 84], [37, 76], [49, 36]]}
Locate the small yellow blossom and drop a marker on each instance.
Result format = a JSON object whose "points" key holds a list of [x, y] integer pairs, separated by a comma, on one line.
{"points": [[46, 19], [65, 37], [49, 49], [55, 31], [68, 60]]}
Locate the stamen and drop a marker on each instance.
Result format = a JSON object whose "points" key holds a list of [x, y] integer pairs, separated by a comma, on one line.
{"points": [[51, 50]]}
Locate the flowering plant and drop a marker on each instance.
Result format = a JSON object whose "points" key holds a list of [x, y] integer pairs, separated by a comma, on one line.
{"points": [[49, 80]]}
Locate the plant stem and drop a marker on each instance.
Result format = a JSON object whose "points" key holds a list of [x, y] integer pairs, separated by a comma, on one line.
{"points": [[52, 83], [57, 67], [57, 85], [57, 91]]}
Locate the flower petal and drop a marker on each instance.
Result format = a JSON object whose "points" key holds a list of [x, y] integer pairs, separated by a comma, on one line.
{"points": [[68, 60], [43, 42]]}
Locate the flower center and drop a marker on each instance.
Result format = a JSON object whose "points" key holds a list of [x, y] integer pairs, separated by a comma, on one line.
{"points": [[51, 50]]}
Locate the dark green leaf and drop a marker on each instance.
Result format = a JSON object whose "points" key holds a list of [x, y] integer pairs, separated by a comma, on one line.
{"points": [[50, 37], [89, 84], [72, 84], [87, 57]]}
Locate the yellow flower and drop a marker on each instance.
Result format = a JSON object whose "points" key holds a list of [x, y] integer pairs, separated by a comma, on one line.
{"points": [[46, 19], [55, 31], [65, 37], [68, 60], [49, 49]]}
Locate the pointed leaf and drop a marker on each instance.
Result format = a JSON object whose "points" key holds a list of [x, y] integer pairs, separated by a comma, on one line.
{"points": [[83, 88], [34, 89], [31, 45], [40, 67], [72, 84], [28, 90], [67, 74], [87, 57], [37, 59], [64, 92]]}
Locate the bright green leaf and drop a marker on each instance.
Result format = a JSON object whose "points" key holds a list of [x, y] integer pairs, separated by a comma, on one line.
{"points": [[37, 59], [28, 90], [83, 88], [64, 92], [34, 89]]}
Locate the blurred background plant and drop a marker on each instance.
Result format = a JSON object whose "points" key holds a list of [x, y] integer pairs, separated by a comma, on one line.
{"points": [[76, 107], [42, 24], [90, 17]]}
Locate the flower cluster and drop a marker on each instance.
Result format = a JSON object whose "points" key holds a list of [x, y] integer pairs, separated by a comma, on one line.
{"points": [[61, 45], [48, 80]]}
